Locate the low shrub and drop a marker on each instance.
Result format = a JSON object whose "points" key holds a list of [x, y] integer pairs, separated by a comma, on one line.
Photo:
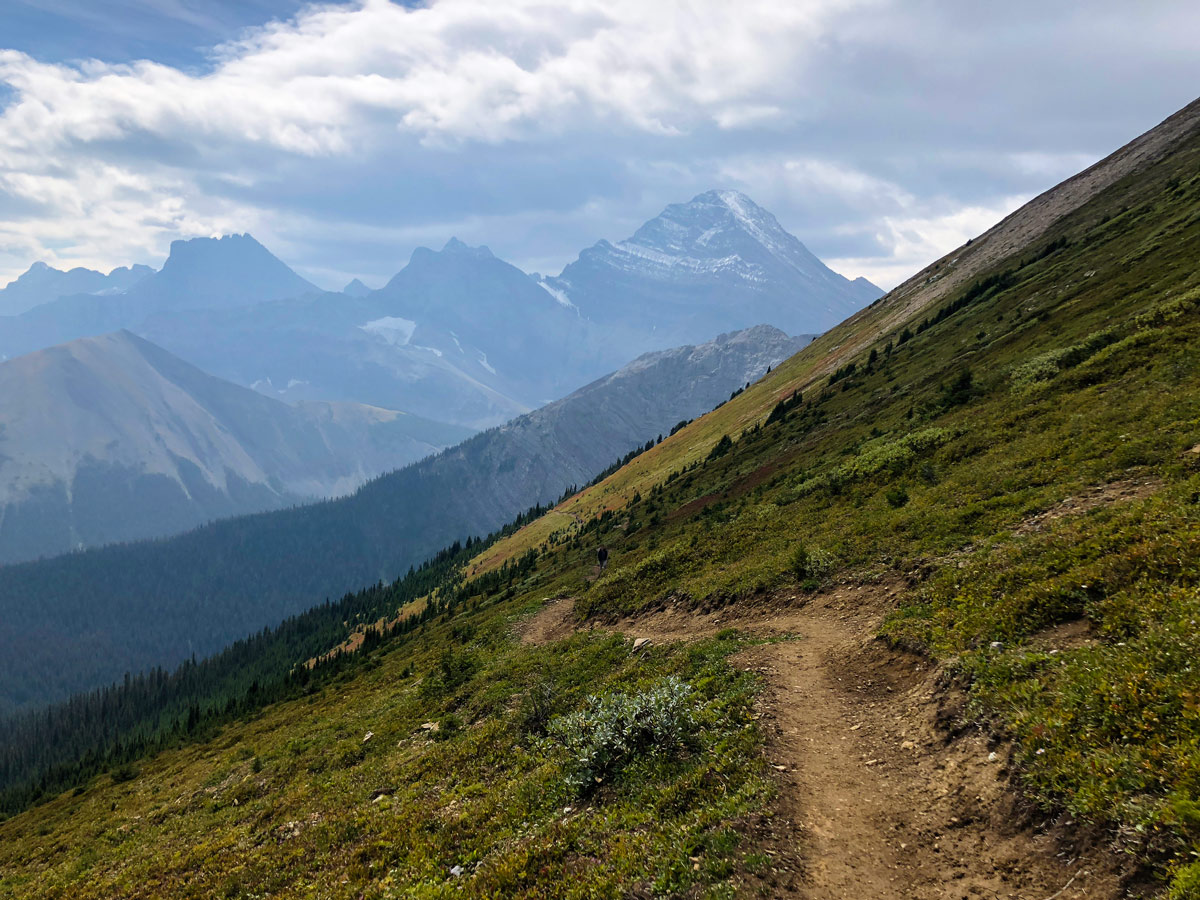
{"points": [[612, 731]]}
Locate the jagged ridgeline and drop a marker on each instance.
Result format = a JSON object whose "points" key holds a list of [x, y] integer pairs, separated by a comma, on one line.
{"points": [[1024, 463]]}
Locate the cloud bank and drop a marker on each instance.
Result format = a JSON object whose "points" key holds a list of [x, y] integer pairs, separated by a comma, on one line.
{"points": [[883, 134]]}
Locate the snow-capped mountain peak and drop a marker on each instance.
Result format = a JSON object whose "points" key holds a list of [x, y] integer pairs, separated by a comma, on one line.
{"points": [[718, 262]]}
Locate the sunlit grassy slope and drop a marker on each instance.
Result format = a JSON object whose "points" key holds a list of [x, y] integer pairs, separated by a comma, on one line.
{"points": [[1053, 359]]}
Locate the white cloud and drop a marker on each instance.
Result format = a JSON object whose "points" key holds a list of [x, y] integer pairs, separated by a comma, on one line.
{"points": [[913, 241], [879, 131], [109, 154], [458, 69]]}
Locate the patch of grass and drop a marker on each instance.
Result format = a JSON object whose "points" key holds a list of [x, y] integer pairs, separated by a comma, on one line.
{"points": [[296, 817]]}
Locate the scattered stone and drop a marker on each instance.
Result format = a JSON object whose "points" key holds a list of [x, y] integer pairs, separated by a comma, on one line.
{"points": [[997, 645], [640, 643], [368, 736], [456, 871], [993, 757], [908, 745], [430, 726], [382, 792]]}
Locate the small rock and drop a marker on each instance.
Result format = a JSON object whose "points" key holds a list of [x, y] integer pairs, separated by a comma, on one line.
{"points": [[779, 768], [368, 736], [993, 756], [640, 643], [997, 645], [456, 871], [430, 726], [568, 809], [908, 745]]}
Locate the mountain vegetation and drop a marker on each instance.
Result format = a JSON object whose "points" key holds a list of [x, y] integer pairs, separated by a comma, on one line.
{"points": [[1009, 440], [103, 612]]}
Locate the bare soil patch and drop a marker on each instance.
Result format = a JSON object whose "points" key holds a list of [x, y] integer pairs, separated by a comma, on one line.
{"points": [[877, 798], [1102, 494]]}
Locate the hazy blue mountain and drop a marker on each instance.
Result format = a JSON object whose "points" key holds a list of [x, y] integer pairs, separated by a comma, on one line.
{"points": [[459, 335], [715, 263], [234, 270], [235, 576], [112, 439], [44, 284], [202, 273], [356, 289]]}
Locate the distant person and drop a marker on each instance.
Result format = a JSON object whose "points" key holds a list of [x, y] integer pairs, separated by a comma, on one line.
{"points": [[602, 557]]}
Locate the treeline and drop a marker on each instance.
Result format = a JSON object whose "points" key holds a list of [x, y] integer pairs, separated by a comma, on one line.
{"points": [[83, 619], [53, 749]]}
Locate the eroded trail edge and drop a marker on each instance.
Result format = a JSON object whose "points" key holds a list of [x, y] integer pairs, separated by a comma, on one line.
{"points": [[875, 800]]}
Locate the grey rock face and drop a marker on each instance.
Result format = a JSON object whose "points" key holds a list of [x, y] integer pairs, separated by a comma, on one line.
{"points": [[113, 439]]}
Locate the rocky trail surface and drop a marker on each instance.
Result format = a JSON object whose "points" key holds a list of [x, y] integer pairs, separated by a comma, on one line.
{"points": [[878, 796]]}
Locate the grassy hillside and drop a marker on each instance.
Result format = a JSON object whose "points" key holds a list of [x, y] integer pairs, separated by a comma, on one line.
{"points": [[1015, 440]]}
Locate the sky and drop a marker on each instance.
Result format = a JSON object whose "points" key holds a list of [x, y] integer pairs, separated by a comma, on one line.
{"points": [[883, 134]]}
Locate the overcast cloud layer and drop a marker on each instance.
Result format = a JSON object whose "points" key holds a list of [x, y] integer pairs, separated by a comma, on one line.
{"points": [[883, 134]]}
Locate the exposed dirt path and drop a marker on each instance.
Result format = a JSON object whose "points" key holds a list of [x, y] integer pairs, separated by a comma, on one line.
{"points": [[876, 800]]}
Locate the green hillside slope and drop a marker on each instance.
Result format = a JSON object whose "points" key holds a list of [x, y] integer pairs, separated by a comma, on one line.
{"points": [[1009, 443]]}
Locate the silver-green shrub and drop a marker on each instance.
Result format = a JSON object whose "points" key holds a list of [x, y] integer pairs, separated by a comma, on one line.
{"points": [[611, 731]]}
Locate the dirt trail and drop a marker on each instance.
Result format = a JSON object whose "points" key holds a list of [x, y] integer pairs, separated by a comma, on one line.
{"points": [[875, 800]]}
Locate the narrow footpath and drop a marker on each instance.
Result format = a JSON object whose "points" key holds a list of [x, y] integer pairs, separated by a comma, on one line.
{"points": [[877, 799]]}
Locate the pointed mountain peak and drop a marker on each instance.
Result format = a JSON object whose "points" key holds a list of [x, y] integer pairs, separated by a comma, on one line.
{"points": [[37, 273], [716, 224], [356, 289]]}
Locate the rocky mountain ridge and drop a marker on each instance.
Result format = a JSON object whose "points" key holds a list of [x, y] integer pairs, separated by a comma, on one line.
{"points": [[113, 439]]}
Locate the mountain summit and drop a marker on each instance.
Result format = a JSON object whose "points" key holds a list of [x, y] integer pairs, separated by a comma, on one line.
{"points": [[716, 262], [234, 270]]}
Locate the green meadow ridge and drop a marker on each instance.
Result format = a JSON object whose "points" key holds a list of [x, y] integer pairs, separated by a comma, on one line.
{"points": [[1012, 438]]}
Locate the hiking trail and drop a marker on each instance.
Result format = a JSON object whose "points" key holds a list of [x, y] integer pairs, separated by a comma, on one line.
{"points": [[876, 800]]}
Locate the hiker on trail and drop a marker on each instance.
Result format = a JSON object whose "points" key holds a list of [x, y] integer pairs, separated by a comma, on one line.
{"points": [[602, 557]]}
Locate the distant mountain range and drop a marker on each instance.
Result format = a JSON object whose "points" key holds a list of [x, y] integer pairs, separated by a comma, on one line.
{"points": [[458, 335], [152, 603], [42, 284], [113, 439]]}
